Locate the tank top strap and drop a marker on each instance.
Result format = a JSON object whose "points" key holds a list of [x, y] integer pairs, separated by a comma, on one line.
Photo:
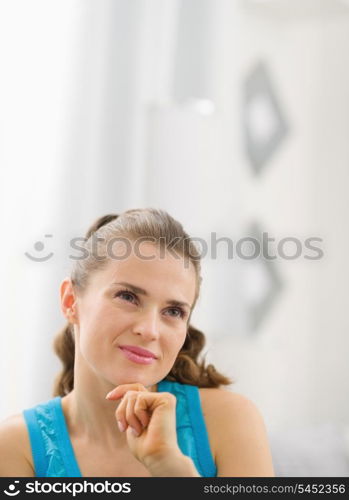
{"points": [[52, 450], [192, 435]]}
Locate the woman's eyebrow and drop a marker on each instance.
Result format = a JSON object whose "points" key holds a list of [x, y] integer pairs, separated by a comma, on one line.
{"points": [[141, 291]]}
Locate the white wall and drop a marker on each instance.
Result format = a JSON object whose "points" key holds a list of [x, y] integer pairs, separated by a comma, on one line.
{"points": [[303, 194]]}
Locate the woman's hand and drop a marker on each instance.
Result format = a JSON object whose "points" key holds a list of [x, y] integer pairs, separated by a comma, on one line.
{"points": [[149, 419]]}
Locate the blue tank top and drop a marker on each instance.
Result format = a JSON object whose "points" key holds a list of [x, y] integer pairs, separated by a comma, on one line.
{"points": [[53, 453]]}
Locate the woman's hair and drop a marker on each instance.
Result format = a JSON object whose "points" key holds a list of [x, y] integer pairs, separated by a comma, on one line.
{"points": [[160, 228]]}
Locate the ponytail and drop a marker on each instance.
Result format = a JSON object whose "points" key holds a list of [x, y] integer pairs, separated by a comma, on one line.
{"points": [[64, 347]]}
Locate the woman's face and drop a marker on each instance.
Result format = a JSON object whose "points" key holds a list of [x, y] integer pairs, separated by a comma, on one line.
{"points": [[132, 302]]}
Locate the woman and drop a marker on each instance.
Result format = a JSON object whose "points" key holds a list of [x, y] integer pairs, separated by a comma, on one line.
{"points": [[133, 399]]}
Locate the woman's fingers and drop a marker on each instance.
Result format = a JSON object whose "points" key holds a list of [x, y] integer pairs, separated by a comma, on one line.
{"points": [[120, 415], [141, 410], [131, 417], [136, 406], [123, 392], [125, 413], [120, 390]]}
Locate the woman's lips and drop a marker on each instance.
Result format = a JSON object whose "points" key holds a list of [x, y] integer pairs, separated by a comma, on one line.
{"points": [[136, 358]]}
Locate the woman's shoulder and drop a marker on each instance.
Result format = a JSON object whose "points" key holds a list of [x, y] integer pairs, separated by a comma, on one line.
{"points": [[237, 433], [223, 408], [15, 444], [212, 399], [15, 427]]}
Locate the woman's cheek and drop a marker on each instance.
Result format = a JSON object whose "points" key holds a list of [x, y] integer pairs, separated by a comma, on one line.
{"points": [[91, 347], [176, 347]]}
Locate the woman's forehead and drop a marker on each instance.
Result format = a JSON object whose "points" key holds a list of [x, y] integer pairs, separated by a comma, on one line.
{"points": [[165, 269], [167, 272]]}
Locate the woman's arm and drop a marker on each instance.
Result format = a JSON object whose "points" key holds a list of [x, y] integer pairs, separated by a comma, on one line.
{"points": [[13, 462], [237, 432], [175, 465]]}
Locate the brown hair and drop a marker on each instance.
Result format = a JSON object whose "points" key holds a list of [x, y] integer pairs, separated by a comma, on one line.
{"points": [[157, 226]]}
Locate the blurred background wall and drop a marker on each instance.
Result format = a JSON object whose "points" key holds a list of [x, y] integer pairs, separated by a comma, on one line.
{"points": [[233, 117]]}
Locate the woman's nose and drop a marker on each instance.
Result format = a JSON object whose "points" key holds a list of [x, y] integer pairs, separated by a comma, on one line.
{"points": [[147, 324]]}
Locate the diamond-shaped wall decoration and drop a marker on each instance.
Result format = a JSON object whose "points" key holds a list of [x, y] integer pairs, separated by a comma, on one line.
{"points": [[262, 281], [264, 123]]}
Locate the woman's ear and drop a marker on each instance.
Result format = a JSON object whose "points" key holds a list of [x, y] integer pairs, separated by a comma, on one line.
{"points": [[68, 300]]}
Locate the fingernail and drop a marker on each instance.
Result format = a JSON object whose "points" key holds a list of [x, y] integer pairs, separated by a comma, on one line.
{"points": [[121, 426], [134, 432], [110, 394]]}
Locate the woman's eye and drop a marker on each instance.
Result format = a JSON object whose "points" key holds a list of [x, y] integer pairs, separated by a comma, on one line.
{"points": [[123, 294], [179, 311]]}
